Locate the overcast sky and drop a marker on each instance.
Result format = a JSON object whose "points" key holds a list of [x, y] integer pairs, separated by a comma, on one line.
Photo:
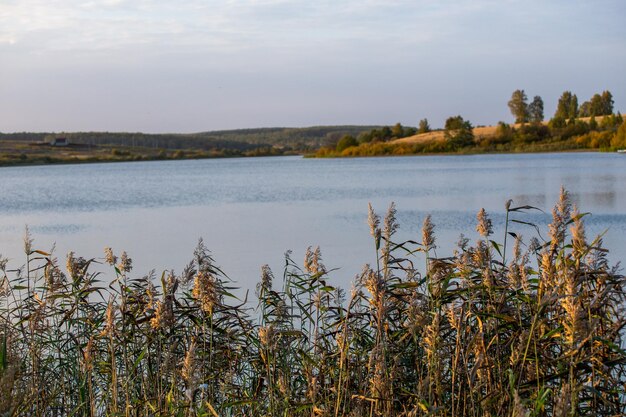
{"points": [[197, 65]]}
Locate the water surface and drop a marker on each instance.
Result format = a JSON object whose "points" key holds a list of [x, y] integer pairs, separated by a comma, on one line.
{"points": [[250, 211]]}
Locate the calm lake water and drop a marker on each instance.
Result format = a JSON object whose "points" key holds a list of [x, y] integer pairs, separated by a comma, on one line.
{"points": [[251, 211]]}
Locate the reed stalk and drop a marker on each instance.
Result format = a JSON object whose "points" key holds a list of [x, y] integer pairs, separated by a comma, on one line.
{"points": [[535, 332]]}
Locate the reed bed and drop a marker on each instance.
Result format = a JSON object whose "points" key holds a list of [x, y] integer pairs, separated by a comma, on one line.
{"points": [[537, 332]]}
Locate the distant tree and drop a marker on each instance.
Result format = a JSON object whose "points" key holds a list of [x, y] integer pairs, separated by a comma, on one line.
{"points": [[611, 121], [535, 110], [504, 132], [596, 107], [409, 131], [455, 123], [533, 132], [331, 139], [567, 108], [601, 104], [423, 127], [375, 135], [397, 131], [557, 122], [364, 137], [458, 132], [607, 102], [385, 133], [593, 124], [345, 142], [519, 106], [585, 109]]}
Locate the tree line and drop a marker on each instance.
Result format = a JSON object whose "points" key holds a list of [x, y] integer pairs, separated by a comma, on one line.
{"points": [[567, 129], [383, 134], [279, 140], [567, 107]]}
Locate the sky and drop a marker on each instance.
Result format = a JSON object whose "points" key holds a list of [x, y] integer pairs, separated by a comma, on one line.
{"points": [[200, 65]]}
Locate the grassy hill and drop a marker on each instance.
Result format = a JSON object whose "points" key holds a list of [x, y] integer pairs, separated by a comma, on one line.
{"points": [[297, 139], [601, 132], [480, 132], [31, 148]]}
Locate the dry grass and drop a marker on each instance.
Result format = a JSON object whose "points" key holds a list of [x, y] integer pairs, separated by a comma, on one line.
{"points": [[435, 136], [438, 136], [479, 132], [536, 332]]}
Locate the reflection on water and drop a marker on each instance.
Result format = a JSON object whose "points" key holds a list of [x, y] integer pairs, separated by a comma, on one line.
{"points": [[56, 229], [250, 211], [605, 199]]}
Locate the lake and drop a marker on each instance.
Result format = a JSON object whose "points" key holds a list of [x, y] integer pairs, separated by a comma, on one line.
{"points": [[250, 211]]}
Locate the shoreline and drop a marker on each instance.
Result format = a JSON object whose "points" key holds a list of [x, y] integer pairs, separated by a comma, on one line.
{"points": [[40, 161], [72, 161], [312, 156]]}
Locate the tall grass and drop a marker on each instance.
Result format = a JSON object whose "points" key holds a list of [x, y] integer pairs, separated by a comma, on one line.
{"points": [[534, 332]]}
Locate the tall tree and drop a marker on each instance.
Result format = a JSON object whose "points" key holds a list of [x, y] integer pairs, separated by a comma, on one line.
{"points": [[601, 104], [519, 106], [567, 108], [397, 131], [385, 133], [607, 102], [423, 127], [535, 110], [596, 106], [585, 109]]}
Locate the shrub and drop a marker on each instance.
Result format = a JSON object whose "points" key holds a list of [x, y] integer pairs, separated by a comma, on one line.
{"points": [[595, 140], [619, 139], [346, 142]]}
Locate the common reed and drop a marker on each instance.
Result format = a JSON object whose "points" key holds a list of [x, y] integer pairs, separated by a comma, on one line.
{"points": [[541, 334]]}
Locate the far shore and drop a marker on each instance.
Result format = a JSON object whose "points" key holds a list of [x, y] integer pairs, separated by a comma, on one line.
{"points": [[601, 133], [94, 160], [35, 149], [16, 153]]}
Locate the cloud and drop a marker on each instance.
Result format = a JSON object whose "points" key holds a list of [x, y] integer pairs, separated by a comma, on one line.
{"points": [[363, 60], [219, 25], [75, 25]]}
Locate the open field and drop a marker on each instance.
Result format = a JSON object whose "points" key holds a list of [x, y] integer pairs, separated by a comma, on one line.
{"points": [[438, 135]]}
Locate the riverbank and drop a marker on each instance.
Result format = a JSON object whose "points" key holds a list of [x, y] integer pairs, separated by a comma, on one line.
{"points": [[37, 148], [606, 133], [19, 153], [407, 150]]}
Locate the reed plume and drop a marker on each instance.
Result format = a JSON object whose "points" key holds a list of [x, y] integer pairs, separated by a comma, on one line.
{"points": [[471, 334]]}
